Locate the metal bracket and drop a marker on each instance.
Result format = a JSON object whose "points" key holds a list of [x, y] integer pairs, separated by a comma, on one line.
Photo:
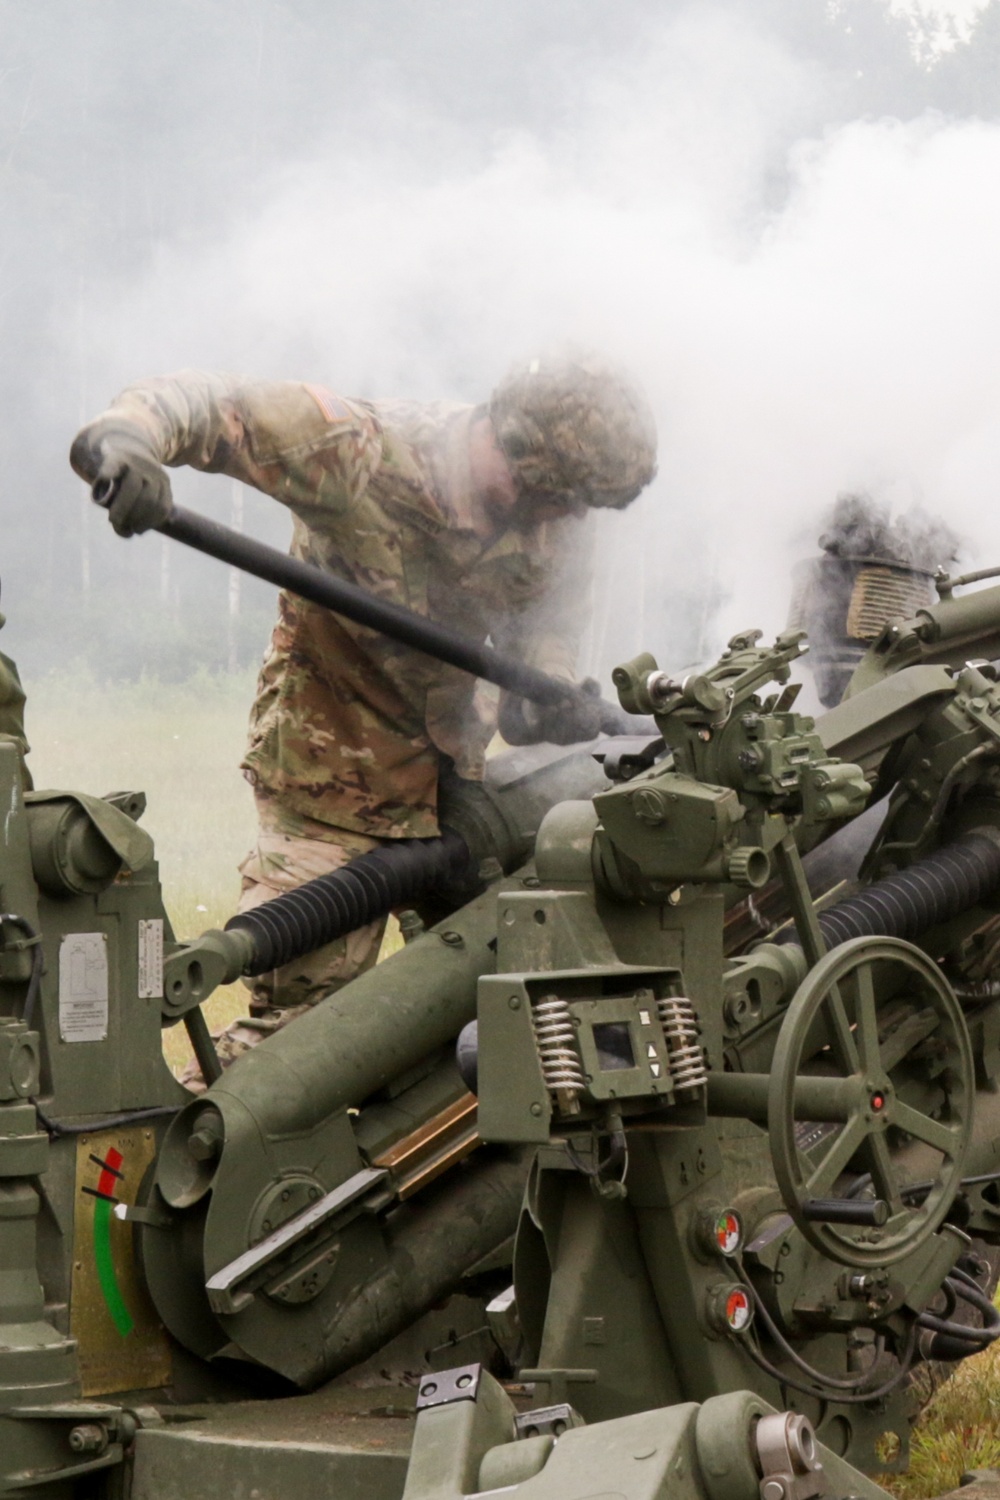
{"points": [[626, 756], [227, 1292], [790, 1466], [460, 1384], [547, 1421]]}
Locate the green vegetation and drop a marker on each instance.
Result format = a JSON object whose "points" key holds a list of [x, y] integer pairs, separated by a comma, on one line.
{"points": [[180, 743], [959, 1430]]}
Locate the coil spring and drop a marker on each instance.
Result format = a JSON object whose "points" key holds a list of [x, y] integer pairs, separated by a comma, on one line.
{"points": [[555, 1038], [686, 1055]]}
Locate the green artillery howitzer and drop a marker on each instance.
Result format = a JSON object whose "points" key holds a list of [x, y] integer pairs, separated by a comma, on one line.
{"points": [[656, 1163]]}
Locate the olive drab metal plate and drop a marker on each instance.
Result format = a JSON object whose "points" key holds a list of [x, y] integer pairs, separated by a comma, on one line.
{"points": [[122, 1344]]}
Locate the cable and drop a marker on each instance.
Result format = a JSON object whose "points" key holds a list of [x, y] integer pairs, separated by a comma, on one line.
{"points": [[834, 1382], [61, 1127], [617, 1152], [961, 1331], [954, 1341], [826, 1391], [970, 1291]]}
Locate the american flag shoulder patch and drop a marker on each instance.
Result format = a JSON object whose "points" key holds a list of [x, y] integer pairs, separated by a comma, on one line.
{"points": [[333, 408]]}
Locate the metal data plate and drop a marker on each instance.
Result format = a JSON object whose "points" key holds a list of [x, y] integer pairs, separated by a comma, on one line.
{"points": [[123, 1345]]}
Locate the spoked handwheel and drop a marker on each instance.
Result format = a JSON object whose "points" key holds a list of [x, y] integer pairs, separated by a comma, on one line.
{"points": [[833, 1023]]}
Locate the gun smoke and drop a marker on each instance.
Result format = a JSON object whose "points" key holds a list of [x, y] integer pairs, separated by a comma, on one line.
{"points": [[811, 306], [873, 568]]}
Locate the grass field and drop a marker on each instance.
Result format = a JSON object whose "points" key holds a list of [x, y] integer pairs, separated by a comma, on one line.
{"points": [[181, 745], [959, 1430]]}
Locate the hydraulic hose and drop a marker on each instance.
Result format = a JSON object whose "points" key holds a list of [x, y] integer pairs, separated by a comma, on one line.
{"points": [[949, 1340], [932, 890], [369, 887]]}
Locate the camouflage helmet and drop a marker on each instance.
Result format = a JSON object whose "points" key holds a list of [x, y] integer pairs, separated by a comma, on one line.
{"points": [[575, 426]]}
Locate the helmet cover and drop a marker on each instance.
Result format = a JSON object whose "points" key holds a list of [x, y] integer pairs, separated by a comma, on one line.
{"points": [[575, 426]]}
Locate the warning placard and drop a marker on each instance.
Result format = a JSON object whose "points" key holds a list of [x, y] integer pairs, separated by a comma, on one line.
{"points": [[83, 987]]}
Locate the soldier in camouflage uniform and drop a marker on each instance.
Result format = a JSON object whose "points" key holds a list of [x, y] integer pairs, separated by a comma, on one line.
{"points": [[471, 515], [12, 713]]}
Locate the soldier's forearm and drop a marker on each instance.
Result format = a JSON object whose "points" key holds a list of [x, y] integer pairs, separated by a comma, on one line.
{"points": [[188, 418]]}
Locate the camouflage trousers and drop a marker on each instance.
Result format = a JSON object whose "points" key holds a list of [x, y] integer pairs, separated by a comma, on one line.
{"points": [[289, 851]]}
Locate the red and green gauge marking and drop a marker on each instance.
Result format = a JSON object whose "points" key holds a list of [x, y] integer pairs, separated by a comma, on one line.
{"points": [[105, 1198]]}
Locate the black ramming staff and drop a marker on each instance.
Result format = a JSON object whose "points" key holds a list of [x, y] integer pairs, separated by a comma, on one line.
{"points": [[356, 604]]}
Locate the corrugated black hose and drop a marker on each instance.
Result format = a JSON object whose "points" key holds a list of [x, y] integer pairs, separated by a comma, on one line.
{"points": [[931, 890], [370, 886]]}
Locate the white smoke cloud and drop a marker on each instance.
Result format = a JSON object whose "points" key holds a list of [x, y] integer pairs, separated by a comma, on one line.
{"points": [[806, 317]]}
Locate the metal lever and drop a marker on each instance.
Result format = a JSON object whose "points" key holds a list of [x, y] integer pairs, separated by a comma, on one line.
{"points": [[873, 1212]]}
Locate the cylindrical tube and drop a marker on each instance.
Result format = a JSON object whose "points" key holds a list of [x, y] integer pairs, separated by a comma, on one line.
{"points": [[322, 910], [381, 1025], [931, 890], [432, 1242], [846, 1211]]}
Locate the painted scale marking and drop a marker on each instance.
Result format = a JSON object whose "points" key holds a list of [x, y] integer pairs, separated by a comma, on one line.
{"points": [[104, 1199]]}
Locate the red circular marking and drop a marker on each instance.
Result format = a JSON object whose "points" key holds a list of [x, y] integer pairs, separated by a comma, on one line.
{"points": [[737, 1309], [878, 1101], [727, 1233]]}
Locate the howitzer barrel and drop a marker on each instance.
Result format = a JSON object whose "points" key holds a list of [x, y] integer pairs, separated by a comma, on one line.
{"points": [[356, 604], [432, 1242], [355, 1042], [947, 633]]}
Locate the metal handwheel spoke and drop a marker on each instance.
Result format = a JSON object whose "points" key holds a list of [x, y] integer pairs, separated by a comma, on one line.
{"points": [[846, 995], [944, 1138], [841, 1035], [835, 1161], [867, 1020], [884, 1175]]}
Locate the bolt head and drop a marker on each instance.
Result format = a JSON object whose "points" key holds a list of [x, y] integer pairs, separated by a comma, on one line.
{"points": [[203, 1145]]}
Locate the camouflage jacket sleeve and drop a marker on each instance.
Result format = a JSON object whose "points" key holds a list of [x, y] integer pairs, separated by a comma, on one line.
{"points": [[306, 447], [12, 712], [547, 632]]}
